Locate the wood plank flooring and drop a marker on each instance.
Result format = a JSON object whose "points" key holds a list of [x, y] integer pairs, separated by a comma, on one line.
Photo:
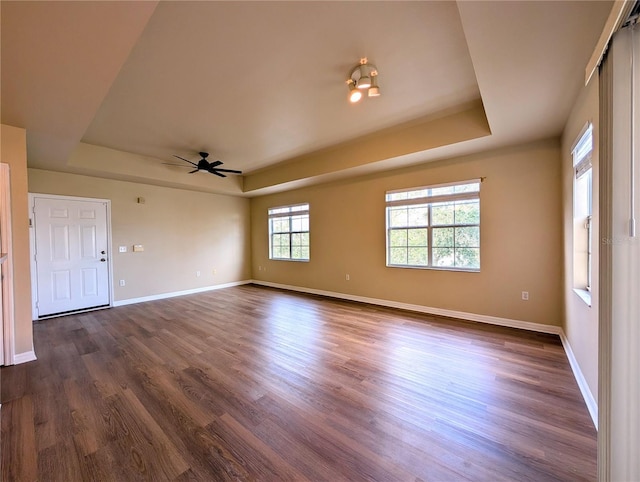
{"points": [[252, 383]]}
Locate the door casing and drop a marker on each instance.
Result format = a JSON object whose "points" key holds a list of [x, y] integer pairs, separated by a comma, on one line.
{"points": [[8, 322], [32, 242]]}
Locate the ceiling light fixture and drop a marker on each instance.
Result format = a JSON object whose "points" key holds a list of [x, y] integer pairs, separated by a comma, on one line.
{"points": [[363, 76]]}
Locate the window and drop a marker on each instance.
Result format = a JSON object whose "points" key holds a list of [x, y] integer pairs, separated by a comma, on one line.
{"points": [[582, 209], [435, 227], [289, 232]]}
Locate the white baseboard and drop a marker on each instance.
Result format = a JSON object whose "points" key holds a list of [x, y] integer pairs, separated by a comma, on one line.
{"points": [[173, 294], [25, 357], [589, 399], [493, 320]]}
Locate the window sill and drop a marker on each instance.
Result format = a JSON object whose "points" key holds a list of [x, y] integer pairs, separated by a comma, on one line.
{"points": [[290, 259], [435, 268], [584, 295]]}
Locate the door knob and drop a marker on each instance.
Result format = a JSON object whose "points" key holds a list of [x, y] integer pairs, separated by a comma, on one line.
{"points": [[103, 252], [102, 259]]}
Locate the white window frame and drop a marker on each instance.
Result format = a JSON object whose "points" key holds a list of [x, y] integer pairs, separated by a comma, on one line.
{"points": [[290, 213], [581, 154], [427, 197]]}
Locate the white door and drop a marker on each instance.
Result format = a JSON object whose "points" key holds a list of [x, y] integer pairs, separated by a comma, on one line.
{"points": [[71, 242], [6, 280]]}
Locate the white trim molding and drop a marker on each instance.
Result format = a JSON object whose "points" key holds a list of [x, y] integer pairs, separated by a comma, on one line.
{"points": [[173, 294], [25, 357], [588, 397], [620, 11], [492, 320], [32, 246], [8, 310]]}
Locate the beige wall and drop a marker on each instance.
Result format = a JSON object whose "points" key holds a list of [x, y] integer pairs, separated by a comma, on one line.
{"points": [[14, 152], [581, 320], [182, 232], [521, 237]]}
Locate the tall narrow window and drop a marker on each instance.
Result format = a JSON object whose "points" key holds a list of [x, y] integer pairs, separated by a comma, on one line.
{"points": [[434, 227], [582, 209], [289, 232]]}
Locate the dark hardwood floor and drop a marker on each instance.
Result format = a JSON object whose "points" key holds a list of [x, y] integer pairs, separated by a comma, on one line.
{"points": [[251, 383]]}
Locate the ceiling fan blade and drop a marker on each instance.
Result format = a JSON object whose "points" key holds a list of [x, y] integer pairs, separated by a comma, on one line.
{"points": [[217, 173], [195, 170], [187, 160], [214, 164], [226, 170], [175, 165]]}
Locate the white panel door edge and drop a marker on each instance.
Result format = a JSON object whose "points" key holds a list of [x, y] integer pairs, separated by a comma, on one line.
{"points": [[8, 323]]}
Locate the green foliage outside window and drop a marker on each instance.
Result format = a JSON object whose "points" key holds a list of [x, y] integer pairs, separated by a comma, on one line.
{"points": [[440, 234], [289, 233]]}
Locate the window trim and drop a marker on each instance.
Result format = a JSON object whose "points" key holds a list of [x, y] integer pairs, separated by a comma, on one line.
{"points": [[428, 201], [589, 228], [582, 154], [582, 158], [273, 214]]}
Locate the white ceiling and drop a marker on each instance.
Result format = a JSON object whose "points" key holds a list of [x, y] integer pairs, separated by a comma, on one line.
{"points": [[261, 85]]}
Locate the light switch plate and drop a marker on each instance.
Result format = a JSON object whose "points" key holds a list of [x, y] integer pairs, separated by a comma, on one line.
{"points": [[138, 247]]}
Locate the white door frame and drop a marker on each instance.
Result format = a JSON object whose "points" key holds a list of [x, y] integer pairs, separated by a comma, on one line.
{"points": [[32, 245], [8, 320]]}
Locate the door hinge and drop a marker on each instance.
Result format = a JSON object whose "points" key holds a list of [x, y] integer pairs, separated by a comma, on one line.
{"points": [[30, 222]]}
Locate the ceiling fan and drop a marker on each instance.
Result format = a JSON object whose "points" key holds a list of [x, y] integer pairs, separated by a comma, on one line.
{"points": [[204, 165]]}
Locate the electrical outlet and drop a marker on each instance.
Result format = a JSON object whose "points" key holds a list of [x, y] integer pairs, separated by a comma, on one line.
{"points": [[346, 277], [525, 295], [198, 274], [122, 249], [214, 271], [122, 283]]}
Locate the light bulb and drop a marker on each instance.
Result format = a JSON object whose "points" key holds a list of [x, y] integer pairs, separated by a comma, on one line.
{"points": [[355, 95]]}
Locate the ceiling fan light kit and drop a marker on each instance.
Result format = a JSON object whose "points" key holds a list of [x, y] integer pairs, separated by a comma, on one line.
{"points": [[363, 77]]}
